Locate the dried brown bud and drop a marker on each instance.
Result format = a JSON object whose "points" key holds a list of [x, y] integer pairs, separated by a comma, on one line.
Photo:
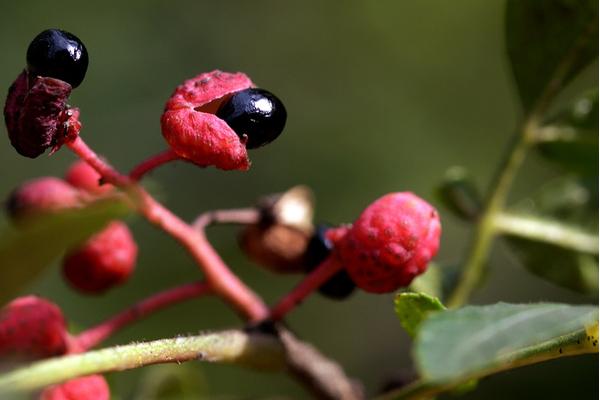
{"points": [[279, 248], [294, 207], [35, 113], [279, 240]]}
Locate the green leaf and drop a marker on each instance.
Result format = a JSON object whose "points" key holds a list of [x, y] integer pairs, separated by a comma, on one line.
{"points": [[171, 382], [570, 199], [549, 38], [459, 194], [582, 113], [563, 267], [24, 252], [573, 202], [458, 345], [412, 309], [431, 282], [571, 139]]}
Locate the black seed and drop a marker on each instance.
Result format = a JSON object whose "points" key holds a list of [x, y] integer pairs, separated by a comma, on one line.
{"points": [[58, 54], [256, 113], [318, 249], [339, 286]]}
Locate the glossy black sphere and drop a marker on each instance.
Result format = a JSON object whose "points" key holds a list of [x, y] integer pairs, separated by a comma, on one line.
{"points": [[58, 54], [256, 113], [339, 286]]}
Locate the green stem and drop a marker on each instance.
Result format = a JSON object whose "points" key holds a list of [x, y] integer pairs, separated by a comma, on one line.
{"points": [[566, 134], [524, 139], [542, 230], [236, 347], [485, 232], [576, 343]]}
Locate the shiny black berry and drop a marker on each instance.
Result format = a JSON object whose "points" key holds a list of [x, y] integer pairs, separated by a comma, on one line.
{"points": [[58, 54], [256, 113], [339, 286]]}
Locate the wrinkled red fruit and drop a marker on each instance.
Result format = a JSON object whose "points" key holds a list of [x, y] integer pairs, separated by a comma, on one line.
{"points": [[35, 113], [41, 196], [194, 132], [392, 241], [103, 261], [82, 176], [32, 328], [92, 387]]}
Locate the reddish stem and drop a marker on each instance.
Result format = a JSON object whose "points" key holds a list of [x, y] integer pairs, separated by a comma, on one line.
{"points": [[108, 173], [217, 274], [95, 335], [153, 162], [310, 283], [239, 216], [222, 281]]}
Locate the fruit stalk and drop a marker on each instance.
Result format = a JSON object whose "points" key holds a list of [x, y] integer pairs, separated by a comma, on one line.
{"points": [[238, 216], [151, 163], [311, 282], [222, 281], [93, 336]]}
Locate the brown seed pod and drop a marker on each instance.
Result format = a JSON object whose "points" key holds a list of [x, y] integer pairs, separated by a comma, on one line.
{"points": [[294, 208], [278, 241], [35, 113]]}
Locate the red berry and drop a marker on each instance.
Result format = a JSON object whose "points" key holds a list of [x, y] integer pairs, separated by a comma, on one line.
{"points": [[82, 176], [41, 196], [392, 241], [103, 261], [192, 129], [92, 387], [31, 328]]}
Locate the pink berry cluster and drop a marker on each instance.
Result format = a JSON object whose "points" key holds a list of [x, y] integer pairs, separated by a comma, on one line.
{"points": [[106, 259], [210, 120], [34, 328]]}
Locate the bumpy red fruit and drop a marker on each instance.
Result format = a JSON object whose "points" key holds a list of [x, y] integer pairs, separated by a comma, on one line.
{"points": [[105, 260], [192, 130], [392, 241], [92, 387], [32, 328], [82, 176], [41, 196]]}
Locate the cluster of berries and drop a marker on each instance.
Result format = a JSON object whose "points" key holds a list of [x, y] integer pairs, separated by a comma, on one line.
{"points": [[106, 259], [33, 328], [391, 242], [210, 120]]}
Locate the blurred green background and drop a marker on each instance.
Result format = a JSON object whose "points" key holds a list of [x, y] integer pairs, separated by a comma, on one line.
{"points": [[381, 96]]}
